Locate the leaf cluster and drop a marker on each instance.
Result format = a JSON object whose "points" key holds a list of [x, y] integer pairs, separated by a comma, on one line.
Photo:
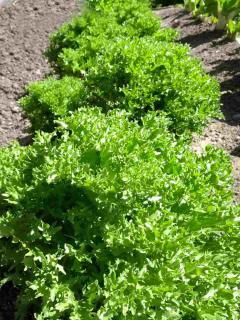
{"points": [[118, 220], [122, 59], [133, 74], [108, 20]]}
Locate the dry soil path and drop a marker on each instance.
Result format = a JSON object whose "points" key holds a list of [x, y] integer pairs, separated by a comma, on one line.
{"points": [[24, 30]]}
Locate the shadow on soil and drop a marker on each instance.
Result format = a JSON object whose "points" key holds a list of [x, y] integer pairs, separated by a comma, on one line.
{"points": [[25, 141], [201, 38], [236, 152]]}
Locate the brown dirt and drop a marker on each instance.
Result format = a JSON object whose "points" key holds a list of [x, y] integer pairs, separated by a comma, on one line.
{"points": [[221, 58], [24, 30]]}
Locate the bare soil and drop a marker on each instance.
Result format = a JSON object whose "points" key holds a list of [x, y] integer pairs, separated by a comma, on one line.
{"points": [[24, 30], [221, 58]]}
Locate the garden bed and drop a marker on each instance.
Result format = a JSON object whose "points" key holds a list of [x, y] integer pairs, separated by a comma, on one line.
{"points": [[21, 61]]}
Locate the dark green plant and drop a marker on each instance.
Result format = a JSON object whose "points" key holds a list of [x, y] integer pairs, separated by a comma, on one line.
{"points": [[116, 220]]}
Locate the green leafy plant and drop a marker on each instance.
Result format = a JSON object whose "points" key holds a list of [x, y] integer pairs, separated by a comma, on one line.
{"points": [[49, 99], [137, 75], [195, 6], [223, 12], [118, 220], [95, 24], [233, 27], [122, 59], [88, 45], [107, 21]]}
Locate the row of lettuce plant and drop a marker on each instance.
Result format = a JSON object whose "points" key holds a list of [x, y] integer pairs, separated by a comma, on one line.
{"points": [[116, 56], [109, 215]]}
